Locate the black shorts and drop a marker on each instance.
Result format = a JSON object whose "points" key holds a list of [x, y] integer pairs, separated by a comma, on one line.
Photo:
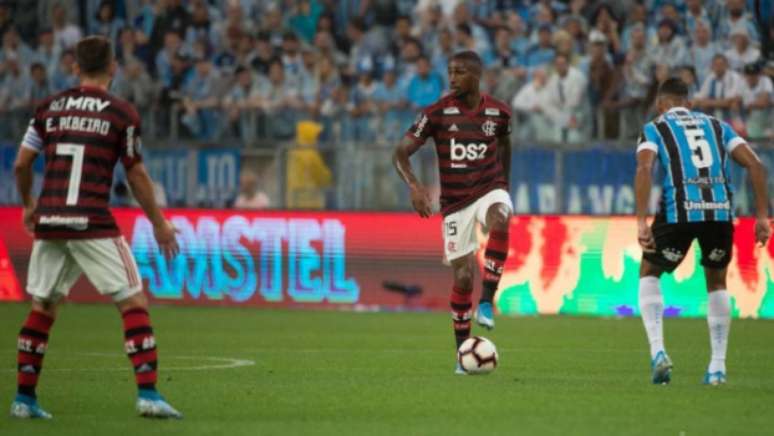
{"points": [[673, 241]]}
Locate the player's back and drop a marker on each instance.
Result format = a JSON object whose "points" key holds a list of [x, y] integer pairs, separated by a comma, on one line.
{"points": [[693, 151], [82, 132]]}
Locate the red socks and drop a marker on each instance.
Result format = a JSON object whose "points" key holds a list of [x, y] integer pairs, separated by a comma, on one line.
{"points": [[32, 344], [140, 347], [460, 305], [494, 259]]}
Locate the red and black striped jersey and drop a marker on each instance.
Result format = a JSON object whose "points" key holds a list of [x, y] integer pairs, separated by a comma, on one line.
{"points": [[82, 132], [465, 139]]}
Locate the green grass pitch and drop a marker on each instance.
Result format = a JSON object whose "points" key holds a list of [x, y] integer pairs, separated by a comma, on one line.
{"points": [[343, 373]]}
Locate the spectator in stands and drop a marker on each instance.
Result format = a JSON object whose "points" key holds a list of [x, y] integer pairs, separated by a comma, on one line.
{"points": [[273, 24], [721, 92], [6, 18], [688, 75], [64, 77], [264, 54], [325, 80], [280, 100], [66, 34], [567, 104], [636, 78], [172, 88], [391, 101], [364, 47], [425, 87], [442, 51], [531, 104], [14, 47], [695, 13], [250, 197], [202, 28], [637, 16], [40, 87], [737, 17], [291, 58], [135, 85], [503, 55], [564, 44], [464, 40], [703, 50], [172, 46], [741, 52], [106, 23], [542, 53], [757, 101], [173, 17], [501, 83], [303, 19], [669, 47], [239, 102], [480, 37], [364, 108], [200, 100], [15, 96], [518, 33], [603, 87], [325, 44], [605, 22]]}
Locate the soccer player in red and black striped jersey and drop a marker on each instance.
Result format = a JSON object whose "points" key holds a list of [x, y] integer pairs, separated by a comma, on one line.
{"points": [[471, 132], [82, 133]]}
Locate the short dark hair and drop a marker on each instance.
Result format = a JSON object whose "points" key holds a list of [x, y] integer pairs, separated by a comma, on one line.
{"points": [[468, 56], [94, 55], [674, 87]]}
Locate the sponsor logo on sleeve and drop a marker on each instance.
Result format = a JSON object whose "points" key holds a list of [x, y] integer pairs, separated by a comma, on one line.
{"points": [[492, 111], [451, 110]]}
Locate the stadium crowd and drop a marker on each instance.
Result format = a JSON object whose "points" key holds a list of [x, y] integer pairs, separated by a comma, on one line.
{"points": [[251, 69]]}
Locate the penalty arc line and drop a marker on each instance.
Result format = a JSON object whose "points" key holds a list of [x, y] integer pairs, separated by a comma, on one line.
{"points": [[218, 363]]}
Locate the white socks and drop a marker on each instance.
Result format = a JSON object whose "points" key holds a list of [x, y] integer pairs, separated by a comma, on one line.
{"points": [[652, 311], [719, 321]]}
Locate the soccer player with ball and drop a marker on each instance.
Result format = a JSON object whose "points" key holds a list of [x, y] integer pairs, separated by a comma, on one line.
{"points": [[471, 132]]}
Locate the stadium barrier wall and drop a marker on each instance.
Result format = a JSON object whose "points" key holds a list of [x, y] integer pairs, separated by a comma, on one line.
{"points": [[557, 264]]}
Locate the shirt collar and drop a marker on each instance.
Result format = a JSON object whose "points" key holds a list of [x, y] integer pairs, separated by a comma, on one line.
{"points": [[678, 109]]}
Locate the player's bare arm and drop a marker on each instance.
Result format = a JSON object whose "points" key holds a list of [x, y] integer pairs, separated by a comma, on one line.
{"points": [[24, 177], [504, 147], [420, 198], [747, 158], [142, 189], [643, 181]]}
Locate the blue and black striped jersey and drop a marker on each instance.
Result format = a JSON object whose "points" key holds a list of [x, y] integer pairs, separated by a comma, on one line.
{"points": [[693, 150]]}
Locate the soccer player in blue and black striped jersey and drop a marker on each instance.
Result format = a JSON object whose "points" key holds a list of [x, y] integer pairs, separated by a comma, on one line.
{"points": [[693, 150]]}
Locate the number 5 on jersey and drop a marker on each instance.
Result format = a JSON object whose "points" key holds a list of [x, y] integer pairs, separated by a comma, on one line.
{"points": [[76, 169]]}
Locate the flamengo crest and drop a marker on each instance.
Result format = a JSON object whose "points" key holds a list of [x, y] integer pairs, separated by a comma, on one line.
{"points": [[489, 127]]}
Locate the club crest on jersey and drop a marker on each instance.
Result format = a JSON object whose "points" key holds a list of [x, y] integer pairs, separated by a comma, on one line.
{"points": [[492, 111], [453, 110], [489, 127]]}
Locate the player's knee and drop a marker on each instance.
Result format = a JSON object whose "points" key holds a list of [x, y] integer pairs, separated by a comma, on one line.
{"points": [[498, 217], [648, 269], [463, 278], [716, 279], [136, 301], [47, 308]]}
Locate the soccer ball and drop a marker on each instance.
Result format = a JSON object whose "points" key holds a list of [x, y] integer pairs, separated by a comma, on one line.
{"points": [[477, 355]]}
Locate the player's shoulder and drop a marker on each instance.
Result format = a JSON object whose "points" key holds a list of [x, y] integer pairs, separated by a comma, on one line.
{"points": [[124, 108], [495, 107], [446, 105]]}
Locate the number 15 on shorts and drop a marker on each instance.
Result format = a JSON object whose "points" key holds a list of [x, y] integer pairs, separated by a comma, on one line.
{"points": [[451, 228]]}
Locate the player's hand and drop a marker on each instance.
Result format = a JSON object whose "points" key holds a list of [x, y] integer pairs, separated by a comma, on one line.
{"points": [[645, 238], [762, 231], [28, 218], [420, 199], [165, 237]]}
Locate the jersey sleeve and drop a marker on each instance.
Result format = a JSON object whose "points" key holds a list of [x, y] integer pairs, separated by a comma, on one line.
{"points": [[420, 130], [731, 139], [130, 147], [505, 129], [33, 137], [649, 139]]}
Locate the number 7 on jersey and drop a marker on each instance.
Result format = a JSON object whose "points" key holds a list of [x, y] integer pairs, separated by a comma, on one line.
{"points": [[76, 169]]}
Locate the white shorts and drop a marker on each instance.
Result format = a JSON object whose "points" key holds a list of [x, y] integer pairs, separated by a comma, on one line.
{"points": [[56, 265], [459, 228]]}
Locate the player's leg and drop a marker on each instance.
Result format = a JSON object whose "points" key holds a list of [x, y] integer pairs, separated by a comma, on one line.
{"points": [[51, 274], [459, 248], [461, 300], [716, 241], [110, 265], [497, 220], [672, 243]]}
